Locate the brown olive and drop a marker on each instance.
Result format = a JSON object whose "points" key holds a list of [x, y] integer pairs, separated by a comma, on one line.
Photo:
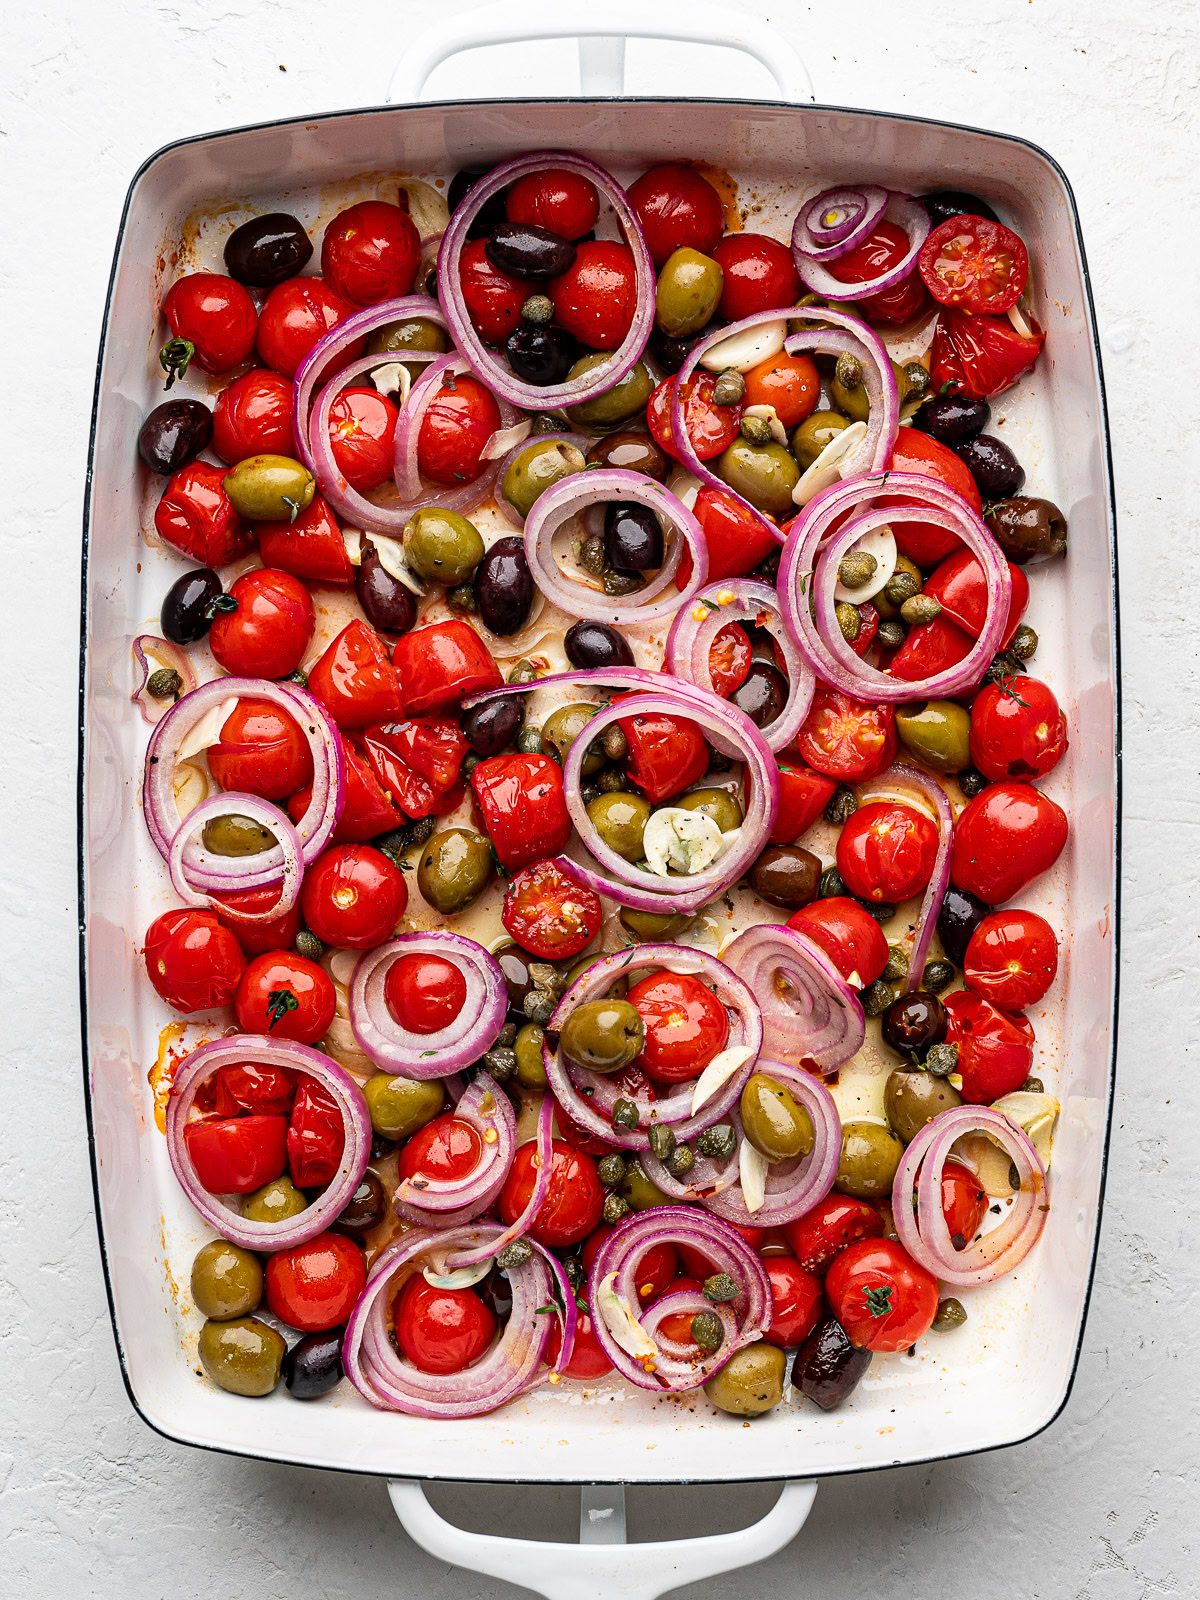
{"points": [[911, 1099], [173, 434], [596, 644], [504, 587], [1028, 529], [388, 605], [996, 470], [365, 1209], [525, 250], [633, 537], [828, 1368], [914, 1022], [635, 452], [266, 250], [786, 875], [763, 693]]}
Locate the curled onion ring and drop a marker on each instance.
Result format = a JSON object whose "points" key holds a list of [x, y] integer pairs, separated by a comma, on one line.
{"points": [[449, 1202], [902, 777], [811, 1015], [258, 810], [428, 1055], [837, 221], [907, 214], [148, 648]]}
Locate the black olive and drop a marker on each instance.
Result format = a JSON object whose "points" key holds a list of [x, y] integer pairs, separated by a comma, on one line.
{"points": [[504, 587], [952, 418], [389, 606], [943, 204], [173, 434], [266, 250], [492, 727], [514, 964], [762, 694], [381, 1146], [314, 1365], [541, 355], [914, 1022], [996, 471], [669, 353], [185, 609], [490, 212], [365, 1209], [828, 1368], [633, 538], [526, 251], [495, 1291], [595, 644], [960, 915], [786, 875]]}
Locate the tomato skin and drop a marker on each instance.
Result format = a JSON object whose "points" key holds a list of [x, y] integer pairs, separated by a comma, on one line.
{"points": [[258, 938], [1012, 959], [797, 1300], [549, 914], [850, 740], [443, 1151], [886, 851], [960, 588], [677, 206], [309, 985], [457, 424], [710, 428], [261, 751], [686, 1026], [789, 383], [666, 753], [217, 314], [297, 315], [657, 1271], [524, 808], [268, 633], [930, 647], [362, 429], [236, 1155], [904, 1315], [565, 202], [964, 1203], [193, 962], [196, 517], [253, 416], [424, 993], [595, 300], [368, 810], [1008, 835], [803, 796], [441, 1330], [849, 936], [311, 548], [833, 1223], [588, 1359], [729, 658], [370, 253], [974, 263], [737, 539], [316, 1136], [916, 452], [315, 1285], [354, 680], [759, 275], [884, 247], [353, 896], [492, 298], [995, 1050], [439, 666], [571, 1208], [979, 356], [1017, 729]]}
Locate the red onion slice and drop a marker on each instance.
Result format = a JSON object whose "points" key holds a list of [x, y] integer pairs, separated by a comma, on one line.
{"points": [[149, 653], [447, 1203], [413, 490], [793, 1187], [810, 1013], [265, 1051], [836, 221], [581, 442], [483, 361], [428, 1055], [907, 214], [922, 1229], [542, 1166], [227, 803], [899, 776]]}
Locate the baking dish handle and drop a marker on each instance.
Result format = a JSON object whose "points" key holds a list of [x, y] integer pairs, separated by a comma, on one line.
{"points": [[601, 1566], [601, 32]]}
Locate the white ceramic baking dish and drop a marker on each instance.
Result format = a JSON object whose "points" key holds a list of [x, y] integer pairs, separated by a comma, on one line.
{"points": [[1009, 1374]]}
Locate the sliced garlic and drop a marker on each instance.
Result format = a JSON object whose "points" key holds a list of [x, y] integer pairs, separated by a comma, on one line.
{"points": [[391, 559], [1035, 1114], [621, 1323], [684, 487], [427, 207], [752, 1169], [880, 543], [718, 1073], [681, 841], [352, 538], [460, 1278], [190, 788], [206, 732], [1017, 317], [771, 416], [503, 440], [745, 350], [836, 461], [392, 379]]}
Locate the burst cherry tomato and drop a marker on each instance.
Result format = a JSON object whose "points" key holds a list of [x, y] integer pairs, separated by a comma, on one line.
{"points": [[666, 753], [249, 1086], [710, 427], [362, 427], [312, 547], [268, 633], [298, 313], [915, 452], [677, 206], [656, 1272], [737, 539], [458, 422], [995, 1051], [596, 298], [588, 1359], [353, 896], [237, 1155], [524, 807], [370, 253], [833, 1223], [445, 1150], [316, 1136], [261, 751], [886, 852], [439, 666], [1012, 959], [572, 1206], [565, 202], [193, 962], [846, 739], [1017, 729], [315, 1285], [214, 313], [287, 996], [442, 1330], [759, 275], [354, 680], [849, 936], [961, 590], [803, 796], [492, 298], [1008, 835], [196, 517], [253, 417], [368, 810], [549, 914], [796, 1294], [729, 658], [980, 356], [686, 1026], [974, 263], [789, 383], [257, 938], [424, 993], [964, 1203], [885, 247], [929, 648], [882, 1297]]}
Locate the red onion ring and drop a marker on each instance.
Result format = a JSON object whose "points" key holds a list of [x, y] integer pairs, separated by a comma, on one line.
{"points": [[413, 490], [499, 378], [261, 811], [447, 1203], [261, 1049], [903, 776], [428, 1055], [810, 1014], [854, 213], [922, 1229], [542, 1165], [588, 1098], [148, 647], [510, 513], [907, 214]]}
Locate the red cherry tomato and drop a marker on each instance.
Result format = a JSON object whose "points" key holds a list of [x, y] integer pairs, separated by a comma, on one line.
{"points": [[457, 424], [697, 1266], [676, 206], [964, 1203], [261, 751], [214, 313], [316, 1136], [710, 427], [678, 1326], [370, 253], [257, 938], [312, 547], [571, 1208], [354, 680], [353, 896], [193, 962], [424, 993], [596, 298], [362, 429], [729, 658], [666, 753], [759, 275], [737, 539], [287, 996], [443, 1151], [1017, 729], [885, 247], [849, 936], [846, 739], [297, 315], [685, 1024], [368, 810], [979, 356], [432, 746], [886, 852], [656, 1273], [249, 1086], [803, 796], [314, 1286], [995, 1051], [492, 298], [565, 202], [797, 1299], [237, 1155], [196, 517], [268, 633], [549, 914], [915, 452], [524, 808], [833, 1223], [960, 588], [588, 1359], [1008, 835], [789, 383], [442, 1330], [414, 795], [930, 647], [441, 665], [882, 1297], [1012, 959], [253, 417], [974, 263]]}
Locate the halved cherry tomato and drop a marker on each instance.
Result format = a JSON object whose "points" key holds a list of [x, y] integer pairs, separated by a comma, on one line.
{"points": [[961, 590], [237, 1155], [796, 1302], [685, 1025], [1017, 729], [286, 996], [915, 452], [572, 1206], [565, 202], [214, 313], [656, 1271], [270, 629], [849, 936], [803, 796], [886, 851], [193, 962], [316, 1136], [588, 1359], [759, 275], [850, 740], [882, 1297], [596, 298], [312, 547], [440, 665], [524, 807], [362, 428], [315, 1285], [666, 753], [257, 938], [729, 658], [737, 539], [353, 896], [368, 810], [1008, 835], [980, 356], [995, 1050], [1012, 959], [261, 751], [884, 247], [930, 647], [677, 206], [196, 517], [441, 1330], [789, 383], [297, 315], [370, 253], [822, 1233], [974, 263], [424, 992], [964, 1203], [492, 298], [253, 416], [354, 680], [459, 420], [710, 427], [549, 914], [443, 1151]]}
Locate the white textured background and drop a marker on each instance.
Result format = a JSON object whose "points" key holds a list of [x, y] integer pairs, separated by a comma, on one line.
{"points": [[1104, 1506]]}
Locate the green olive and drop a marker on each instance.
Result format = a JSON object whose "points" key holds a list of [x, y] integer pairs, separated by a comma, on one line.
{"points": [[227, 1281], [689, 287], [763, 474], [620, 819], [870, 1155], [636, 452], [639, 1193], [415, 333], [455, 868], [911, 1099], [718, 804], [442, 546], [235, 835], [400, 1107], [624, 400], [938, 732], [539, 465], [560, 731], [774, 1121], [603, 1035], [274, 1202], [531, 1069], [243, 1356], [270, 488], [751, 1382], [814, 433], [853, 401], [654, 926]]}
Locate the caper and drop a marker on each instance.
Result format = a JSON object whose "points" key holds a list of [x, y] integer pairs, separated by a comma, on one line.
{"points": [[729, 389], [856, 568], [593, 557], [877, 997], [938, 975], [274, 1202], [941, 1060], [708, 1330], [901, 587], [919, 609], [848, 373], [400, 1107], [614, 743], [232, 834], [270, 488], [461, 598], [662, 1141], [621, 583], [681, 1161], [917, 378], [164, 684], [831, 885], [529, 741], [539, 308], [500, 1062], [881, 910], [624, 1114], [614, 1208], [442, 546], [538, 466], [890, 634], [539, 1005], [1003, 666], [515, 1255], [842, 805], [308, 945], [719, 1141], [972, 783], [848, 620], [755, 430], [1033, 1086], [527, 1049], [1023, 643], [720, 1288], [897, 963], [611, 1169], [751, 1382], [612, 781], [951, 1314]]}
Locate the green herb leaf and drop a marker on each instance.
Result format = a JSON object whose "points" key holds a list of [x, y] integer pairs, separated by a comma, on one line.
{"points": [[879, 1300]]}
